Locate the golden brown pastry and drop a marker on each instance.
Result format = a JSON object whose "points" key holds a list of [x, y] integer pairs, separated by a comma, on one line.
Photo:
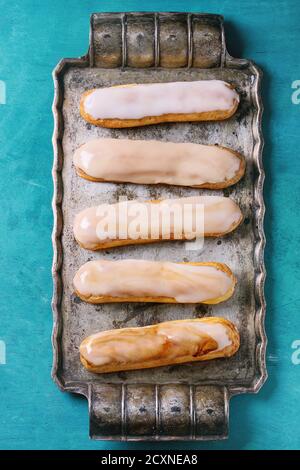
{"points": [[105, 281], [153, 162], [143, 104], [134, 222], [173, 342]]}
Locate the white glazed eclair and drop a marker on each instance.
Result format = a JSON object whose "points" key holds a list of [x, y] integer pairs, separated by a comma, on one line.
{"points": [[143, 104], [105, 281], [154, 162], [173, 342], [134, 222]]}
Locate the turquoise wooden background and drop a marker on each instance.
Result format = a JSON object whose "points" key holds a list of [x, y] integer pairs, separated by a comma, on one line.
{"points": [[34, 35]]}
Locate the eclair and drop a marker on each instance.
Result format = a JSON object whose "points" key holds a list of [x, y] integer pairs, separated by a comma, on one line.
{"points": [[173, 342], [134, 222], [143, 104], [154, 162], [131, 280]]}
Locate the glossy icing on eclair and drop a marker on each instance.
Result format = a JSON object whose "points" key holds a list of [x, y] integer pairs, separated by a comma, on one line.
{"points": [[157, 99], [165, 343], [153, 162], [183, 218], [184, 282]]}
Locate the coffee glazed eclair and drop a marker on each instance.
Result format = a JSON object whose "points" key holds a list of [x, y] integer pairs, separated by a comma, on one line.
{"points": [[110, 225], [143, 104], [173, 342], [154, 162], [105, 281]]}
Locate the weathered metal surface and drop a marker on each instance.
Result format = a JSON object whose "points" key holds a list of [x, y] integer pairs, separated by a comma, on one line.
{"points": [[188, 401]]}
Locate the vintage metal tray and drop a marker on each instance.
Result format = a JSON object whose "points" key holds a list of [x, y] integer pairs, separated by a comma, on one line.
{"points": [[187, 402]]}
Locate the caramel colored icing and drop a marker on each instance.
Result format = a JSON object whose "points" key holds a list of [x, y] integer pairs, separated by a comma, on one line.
{"points": [[184, 218], [169, 341]]}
